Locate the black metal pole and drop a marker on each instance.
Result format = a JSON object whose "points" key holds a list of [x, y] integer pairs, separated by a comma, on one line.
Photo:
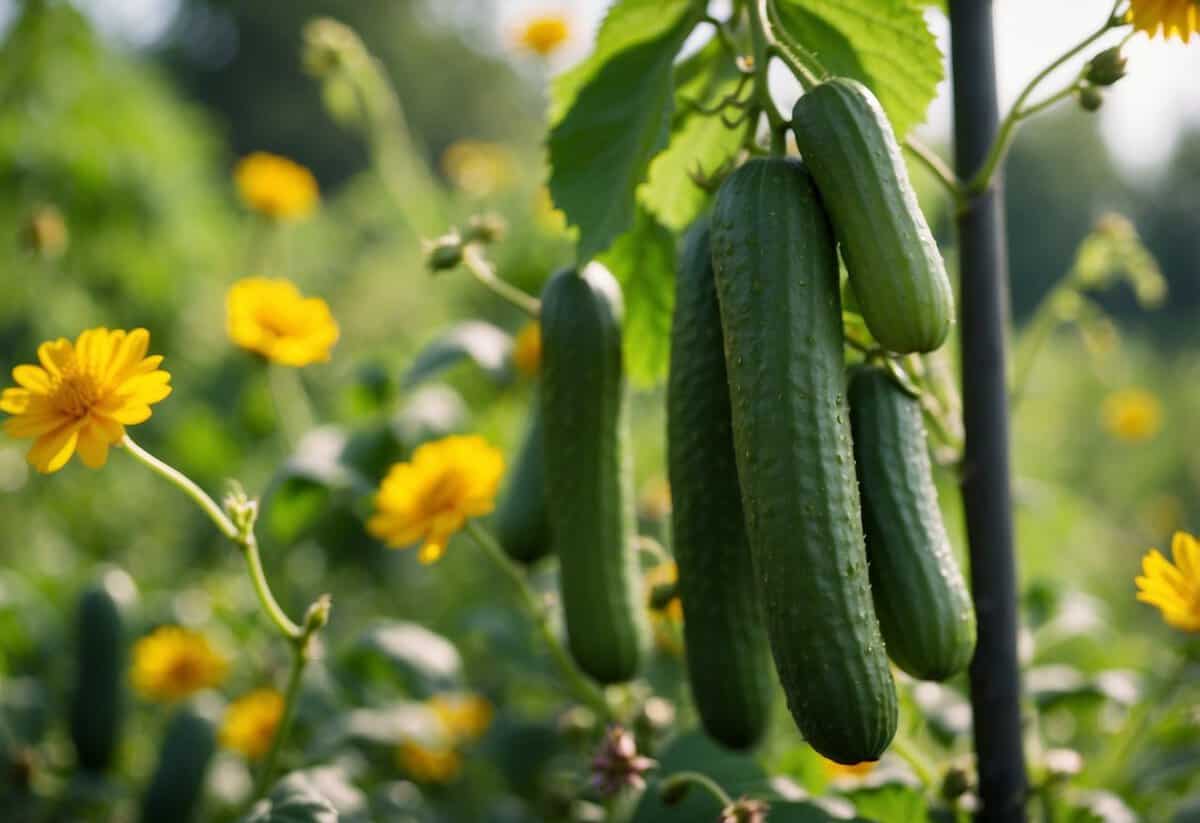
{"points": [[986, 482]]}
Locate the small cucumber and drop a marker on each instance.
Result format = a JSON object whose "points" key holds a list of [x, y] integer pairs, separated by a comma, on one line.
{"points": [[98, 700], [177, 784], [924, 609], [588, 465], [728, 658], [777, 280], [521, 523], [896, 270]]}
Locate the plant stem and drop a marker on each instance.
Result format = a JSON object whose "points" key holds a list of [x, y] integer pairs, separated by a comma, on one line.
{"points": [[292, 406], [249, 546], [999, 147], [986, 473], [915, 759], [291, 692], [482, 270], [585, 690], [702, 780], [184, 484], [937, 167]]}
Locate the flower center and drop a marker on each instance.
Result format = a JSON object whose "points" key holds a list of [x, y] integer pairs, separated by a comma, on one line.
{"points": [[76, 393], [279, 323], [184, 672], [444, 494]]}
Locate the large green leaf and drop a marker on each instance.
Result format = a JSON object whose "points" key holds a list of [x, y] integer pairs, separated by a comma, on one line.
{"points": [[611, 115], [293, 800], [883, 43], [643, 260], [699, 142]]}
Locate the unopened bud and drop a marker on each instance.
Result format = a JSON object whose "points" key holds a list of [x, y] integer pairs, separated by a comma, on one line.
{"points": [[484, 228], [1090, 98], [955, 783], [45, 233], [317, 615], [444, 253], [1107, 67], [328, 45]]}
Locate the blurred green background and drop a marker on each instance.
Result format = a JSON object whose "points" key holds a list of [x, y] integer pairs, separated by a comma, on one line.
{"points": [[132, 148]]}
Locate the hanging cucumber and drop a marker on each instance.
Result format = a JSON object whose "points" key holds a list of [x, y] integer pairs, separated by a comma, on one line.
{"points": [[777, 280], [895, 268], [521, 522], [924, 609], [588, 465], [728, 659], [177, 785], [98, 700]]}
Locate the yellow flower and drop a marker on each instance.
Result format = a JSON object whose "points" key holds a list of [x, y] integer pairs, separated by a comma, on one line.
{"points": [[271, 317], [83, 395], [250, 722], [544, 34], [527, 349], [666, 621], [1169, 17], [840, 771], [477, 167], [1132, 414], [172, 662], [465, 716], [276, 186], [430, 497], [429, 764], [1174, 588]]}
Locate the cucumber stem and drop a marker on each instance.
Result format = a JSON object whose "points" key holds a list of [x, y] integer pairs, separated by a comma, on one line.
{"points": [[585, 689], [483, 271], [676, 782]]}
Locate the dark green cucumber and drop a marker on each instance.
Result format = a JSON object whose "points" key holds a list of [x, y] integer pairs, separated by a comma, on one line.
{"points": [[177, 785], [521, 523], [924, 609], [777, 280], [98, 700], [588, 465], [896, 270], [728, 658]]}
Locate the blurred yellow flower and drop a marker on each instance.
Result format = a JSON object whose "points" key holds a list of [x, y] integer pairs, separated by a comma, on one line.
{"points": [[544, 34], [250, 722], [1171, 18], [83, 395], [276, 186], [1174, 588], [45, 232], [430, 497], [1134, 415], [465, 716], [271, 317], [429, 764], [840, 771], [527, 349], [666, 618], [477, 167], [172, 663]]}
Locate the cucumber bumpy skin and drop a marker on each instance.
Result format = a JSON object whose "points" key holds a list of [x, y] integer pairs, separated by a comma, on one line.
{"points": [[895, 268], [777, 279], [924, 608], [521, 523], [728, 658], [98, 700], [588, 465]]}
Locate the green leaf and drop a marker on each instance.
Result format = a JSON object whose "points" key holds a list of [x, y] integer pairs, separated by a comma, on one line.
{"points": [[486, 345], [699, 142], [611, 115], [890, 801], [643, 260], [882, 43], [293, 800], [421, 661]]}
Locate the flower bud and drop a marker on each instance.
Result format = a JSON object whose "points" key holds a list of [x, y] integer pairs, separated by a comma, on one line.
{"points": [[45, 233], [1090, 98], [484, 228], [1106, 68], [444, 253]]}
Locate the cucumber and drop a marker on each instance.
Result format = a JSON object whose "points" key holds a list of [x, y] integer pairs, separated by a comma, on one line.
{"points": [[521, 523], [97, 705], [177, 784], [725, 638], [895, 268], [777, 281], [588, 465], [924, 609]]}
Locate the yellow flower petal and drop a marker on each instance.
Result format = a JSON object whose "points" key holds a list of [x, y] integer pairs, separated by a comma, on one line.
{"points": [[33, 378], [1174, 589], [271, 317], [51, 451]]}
